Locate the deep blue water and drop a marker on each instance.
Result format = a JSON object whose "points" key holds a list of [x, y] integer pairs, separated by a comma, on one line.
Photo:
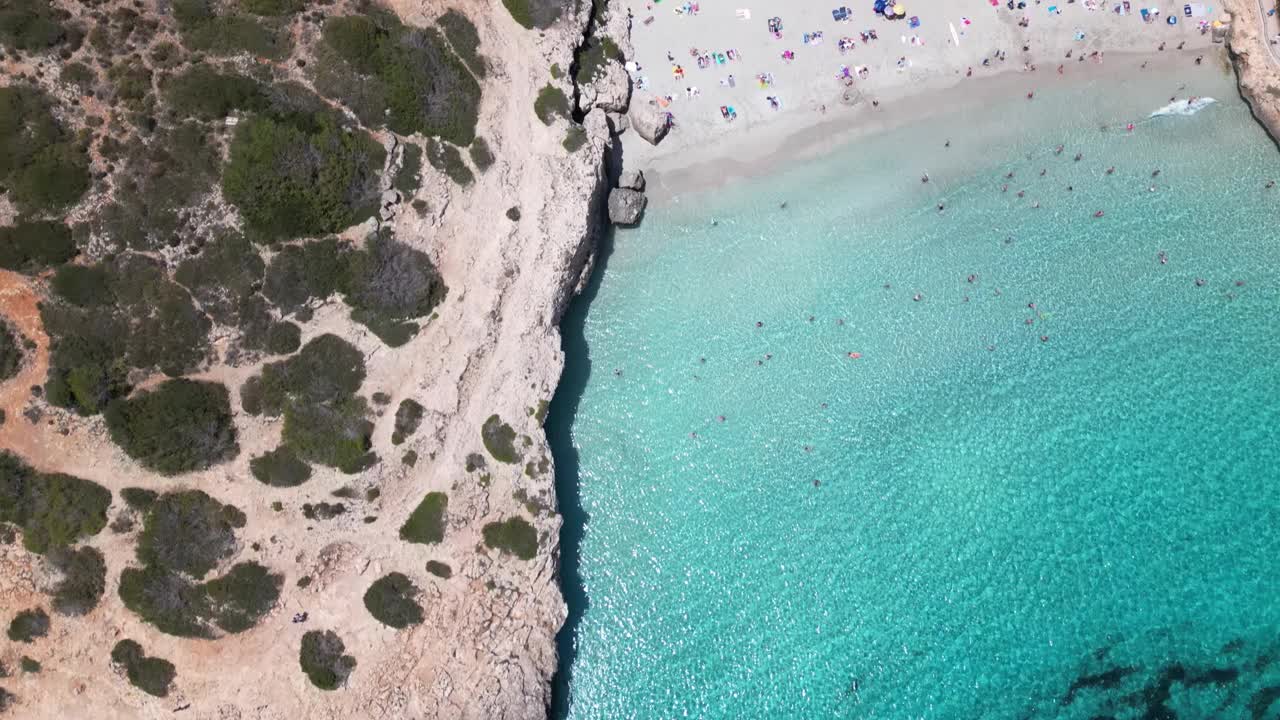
{"points": [[1046, 489]]}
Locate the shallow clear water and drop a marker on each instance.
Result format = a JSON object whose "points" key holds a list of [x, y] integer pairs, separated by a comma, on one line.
{"points": [[967, 521]]}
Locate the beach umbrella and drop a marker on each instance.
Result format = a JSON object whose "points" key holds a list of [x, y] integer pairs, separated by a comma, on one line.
{"points": [[879, 7], [899, 10]]}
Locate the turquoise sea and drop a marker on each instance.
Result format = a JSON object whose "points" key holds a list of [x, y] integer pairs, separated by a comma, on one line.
{"points": [[1048, 488]]}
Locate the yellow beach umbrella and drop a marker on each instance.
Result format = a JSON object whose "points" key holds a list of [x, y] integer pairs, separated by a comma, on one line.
{"points": [[899, 9]]}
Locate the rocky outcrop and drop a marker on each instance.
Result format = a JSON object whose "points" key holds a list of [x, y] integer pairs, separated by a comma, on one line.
{"points": [[648, 120], [610, 90], [631, 180], [626, 206], [1256, 64]]}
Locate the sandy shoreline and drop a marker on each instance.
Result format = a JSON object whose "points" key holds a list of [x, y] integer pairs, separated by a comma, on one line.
{"points": [[703, 151]]}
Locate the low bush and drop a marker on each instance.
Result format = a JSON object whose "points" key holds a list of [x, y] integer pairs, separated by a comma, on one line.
{"points": [[420, 84], [540, 14], [32, 246], [426, 523], [499, 439], [439, 569], [139, 499], [574, 138], [53, 510], [188, 532], [181, 426], [149, 674], [206, 94], [131, 79], [299, 274], [390, 600], [29, 665], [204, 30], [322, 659], [408, 178], [480, 154], [338, 435], [33, 25], [391, 283], [83, 580], [408, 418], [28, 625], [323, 510], [591, 61], [223, 279], [327, 369], [513, 214], [42, 165], [461, 34], [79, 76], [280, 468], [176, 606], [299, 176], [271, 7], [10, 351], [410, 458], [447, 159], [515, 536], [550, 104]]}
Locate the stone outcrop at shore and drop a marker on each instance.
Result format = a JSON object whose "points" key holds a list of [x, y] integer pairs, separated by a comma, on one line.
{"points": [[626, 206], [1256, 64]]}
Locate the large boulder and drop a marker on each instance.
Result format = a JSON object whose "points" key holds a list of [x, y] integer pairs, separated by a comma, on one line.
{"points": [[649, 121], [631, 180], [613, 87], [626, 206]]}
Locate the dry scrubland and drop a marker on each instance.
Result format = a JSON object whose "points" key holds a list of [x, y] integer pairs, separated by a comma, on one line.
{"points": [[278, 308]]}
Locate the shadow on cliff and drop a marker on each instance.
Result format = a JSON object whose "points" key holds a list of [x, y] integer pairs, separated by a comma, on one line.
{"points": [[564, 408]]}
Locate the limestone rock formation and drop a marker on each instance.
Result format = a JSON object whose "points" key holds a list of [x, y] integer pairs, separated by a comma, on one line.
{"points": [[649, 121], [632, 180], [626, 206]]}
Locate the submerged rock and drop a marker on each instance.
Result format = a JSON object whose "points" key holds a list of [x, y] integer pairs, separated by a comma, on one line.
{"points": [[626, 206]]}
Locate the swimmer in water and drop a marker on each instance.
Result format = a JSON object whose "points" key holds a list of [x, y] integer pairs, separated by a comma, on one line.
{"points": [[1009, 176], [721, 418], [1004, 188], [941, 207], [972, 278], [617, 372], [783, 205], [1021, 193], [1058, 150], [1044, 338], [1043, 171], [1070, 188], [917, 297], [1098, 214], [1035, 205], [1111, 169], [1155, 173], [924, 178], [1199, 282], [1270, 184], [1079, 157], [759, 324], [1164, 259]]}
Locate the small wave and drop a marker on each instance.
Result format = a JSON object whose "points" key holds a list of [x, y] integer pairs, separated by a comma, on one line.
{"points": [[1184, 107]]}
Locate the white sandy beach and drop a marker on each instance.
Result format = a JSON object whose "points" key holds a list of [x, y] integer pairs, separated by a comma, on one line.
{"points": [[908, 71]]}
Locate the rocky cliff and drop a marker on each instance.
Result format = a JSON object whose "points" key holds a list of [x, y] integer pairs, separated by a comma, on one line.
{"points": [[1257, 63]]}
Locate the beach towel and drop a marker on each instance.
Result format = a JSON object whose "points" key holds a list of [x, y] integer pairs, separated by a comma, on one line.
{"points": [[743, 13]]}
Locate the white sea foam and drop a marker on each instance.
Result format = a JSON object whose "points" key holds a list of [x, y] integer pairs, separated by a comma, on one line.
{"points": [[1184, 107]]}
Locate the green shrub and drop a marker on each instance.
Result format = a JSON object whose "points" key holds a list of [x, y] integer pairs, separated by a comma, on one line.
{"points": [[574, 138], [338, 434], [515, 536], [29, 665], [499, 440], [165, 55], [302, 176], [188, 532], [83, 285], [131, 79], [7, 699], [410, 458], [206, 94], [41, 164], [223, 277], [408, 178], [480, 154], [299, 274], [322, 659], [551, 104], [31, 246], [513, 214], [29, 625], [475, 461], [176, 606], [83, 581], [390, 600], [203, 30], [271, 7], [10, 351], [448, 160], [181, 426], [416, 83], [139, 499], [408, 418], [391, 283], [280, 468], [323, 510], [53, 510], [427, 522], [556, 72], [461, 34], [149, 674], [78, 75], [31, 25], [326, 370], [439, 569]]}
